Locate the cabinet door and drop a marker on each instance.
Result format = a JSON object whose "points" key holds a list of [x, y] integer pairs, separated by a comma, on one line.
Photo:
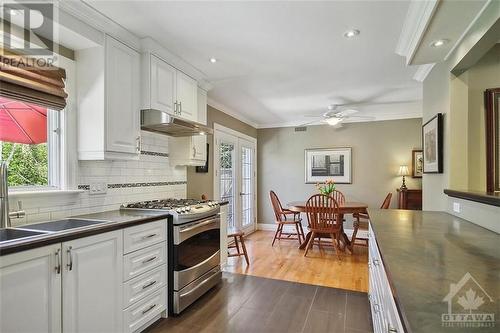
{"points": [[199, 147], [30, 291], [202, 106], [92, 283], [187, 96], [122, 97], [162, 85]]}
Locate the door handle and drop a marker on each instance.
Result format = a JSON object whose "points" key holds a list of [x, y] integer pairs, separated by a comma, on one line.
{"points": [[58, 261], [70, 258]]}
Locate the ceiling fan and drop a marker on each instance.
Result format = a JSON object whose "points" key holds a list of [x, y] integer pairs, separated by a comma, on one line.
{"points": [[335, 115]]}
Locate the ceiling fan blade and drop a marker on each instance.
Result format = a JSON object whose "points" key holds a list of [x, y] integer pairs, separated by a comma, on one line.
{"points": [[346, 113], [310, 123], [361, 117]]}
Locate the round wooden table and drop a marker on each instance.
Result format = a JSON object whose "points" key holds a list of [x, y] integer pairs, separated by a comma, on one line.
{"points": [[345, 208]]}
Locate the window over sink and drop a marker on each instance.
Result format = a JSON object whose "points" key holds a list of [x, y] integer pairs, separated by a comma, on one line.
{"points": [[30, 144]]}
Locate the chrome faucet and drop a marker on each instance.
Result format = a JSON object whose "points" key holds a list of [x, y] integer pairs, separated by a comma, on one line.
{"points": [[5, 216]]}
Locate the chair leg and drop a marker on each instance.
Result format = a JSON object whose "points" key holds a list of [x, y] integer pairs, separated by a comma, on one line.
{"points": [[281, 231], [237, 246], [335, 241], [302, 232], [354, 233], [298, 233], [310, 243], [244, 250], [276, 234]]}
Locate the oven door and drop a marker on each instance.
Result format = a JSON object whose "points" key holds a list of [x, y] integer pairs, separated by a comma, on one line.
{"points": [[196, 250]]}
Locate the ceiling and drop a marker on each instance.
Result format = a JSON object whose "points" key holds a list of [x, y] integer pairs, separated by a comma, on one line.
{"points": [[280, 60]]}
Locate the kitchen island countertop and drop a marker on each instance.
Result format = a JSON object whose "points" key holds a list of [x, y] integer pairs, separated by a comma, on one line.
{"points": [[425, 254]]}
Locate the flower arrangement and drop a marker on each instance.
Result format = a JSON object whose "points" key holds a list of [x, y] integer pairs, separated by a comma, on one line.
{"points": [[327, 187]]}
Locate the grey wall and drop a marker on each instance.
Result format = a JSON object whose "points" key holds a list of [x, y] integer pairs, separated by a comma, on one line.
{"points": [[203, 183], [378, 148]]}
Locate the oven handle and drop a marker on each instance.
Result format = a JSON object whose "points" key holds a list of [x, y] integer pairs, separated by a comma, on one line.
{"points": [[201, 284], [190, 230], [198, 225]]}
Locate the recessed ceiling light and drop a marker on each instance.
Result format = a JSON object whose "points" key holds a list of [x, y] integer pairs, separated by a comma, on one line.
{"points": [[213, 60], [439, 42], [351, 33]]}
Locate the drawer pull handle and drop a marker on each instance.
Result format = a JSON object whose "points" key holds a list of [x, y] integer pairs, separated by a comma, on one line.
{"points": [[392, 329], [148, 285], [148, 260], [149, 309], [149, 236], [376, 262], [376, 307]]}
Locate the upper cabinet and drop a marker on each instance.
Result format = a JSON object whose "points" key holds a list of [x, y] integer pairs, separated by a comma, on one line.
{"points": [[202, 106], [108, 80], [167, 89]]}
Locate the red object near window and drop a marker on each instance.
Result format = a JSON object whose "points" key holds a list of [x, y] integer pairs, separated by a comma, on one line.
{"points": [[22, 122]]}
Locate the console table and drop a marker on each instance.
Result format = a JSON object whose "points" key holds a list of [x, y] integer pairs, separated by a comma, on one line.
{"points": [[409, 199]]}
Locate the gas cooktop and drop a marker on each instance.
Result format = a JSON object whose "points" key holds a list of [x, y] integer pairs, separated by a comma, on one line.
{"points": [[181, 209]]}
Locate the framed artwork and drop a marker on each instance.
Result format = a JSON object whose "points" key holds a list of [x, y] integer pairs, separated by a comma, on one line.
{"points": [[432, 137], [417, 163], [328, 163], [204, 168], [492, 107]]}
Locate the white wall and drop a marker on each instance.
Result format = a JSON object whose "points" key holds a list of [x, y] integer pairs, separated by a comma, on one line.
{"points": [[148, 169]]}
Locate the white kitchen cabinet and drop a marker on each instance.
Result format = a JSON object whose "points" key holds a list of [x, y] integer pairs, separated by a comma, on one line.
{"points": [[108, 89], [92, 283], [167, 89], [187, 96], [30, 291], [158, 88], [191, 150], [202, 106]]}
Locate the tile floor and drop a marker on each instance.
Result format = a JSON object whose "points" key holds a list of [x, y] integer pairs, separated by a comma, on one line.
{"points": [[242, 303]]}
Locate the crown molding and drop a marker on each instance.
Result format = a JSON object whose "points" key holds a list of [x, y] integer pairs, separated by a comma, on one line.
{"points": [[422, 72], [417, 20], [231, 112], [469, 27]]}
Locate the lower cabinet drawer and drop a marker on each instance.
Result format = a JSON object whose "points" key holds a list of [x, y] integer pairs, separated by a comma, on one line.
{"points": [[144, 285], [140, 313], [138, 262]]}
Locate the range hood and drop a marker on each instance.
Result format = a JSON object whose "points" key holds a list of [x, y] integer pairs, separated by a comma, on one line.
{"points": [[162, 122]]}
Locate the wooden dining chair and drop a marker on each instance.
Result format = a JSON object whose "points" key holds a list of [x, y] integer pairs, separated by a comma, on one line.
{"points": [[323, 216], [338, 196], [284, 217], [361, 223]]}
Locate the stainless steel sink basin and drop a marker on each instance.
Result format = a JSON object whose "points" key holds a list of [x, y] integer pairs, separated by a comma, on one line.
{"points": [[61, 225], [10, 234]]}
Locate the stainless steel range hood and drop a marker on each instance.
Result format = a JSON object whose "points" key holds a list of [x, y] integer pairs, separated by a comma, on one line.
{"points": [[161, 122]]}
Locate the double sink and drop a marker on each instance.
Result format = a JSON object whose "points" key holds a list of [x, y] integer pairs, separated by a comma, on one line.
{"points": [[28, 231]]}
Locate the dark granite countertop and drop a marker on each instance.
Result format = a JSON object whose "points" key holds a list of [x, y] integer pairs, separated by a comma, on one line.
{"points": [[115, 219], [424, 253]]}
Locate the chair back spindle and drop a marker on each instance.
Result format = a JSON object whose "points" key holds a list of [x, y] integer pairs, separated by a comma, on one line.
{"points": [[387, 201]]}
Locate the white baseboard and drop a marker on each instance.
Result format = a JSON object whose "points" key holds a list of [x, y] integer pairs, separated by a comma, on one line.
{"points": [[289, 228]]}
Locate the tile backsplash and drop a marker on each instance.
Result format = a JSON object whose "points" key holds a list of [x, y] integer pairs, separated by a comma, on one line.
{"points": [[150, 177]]}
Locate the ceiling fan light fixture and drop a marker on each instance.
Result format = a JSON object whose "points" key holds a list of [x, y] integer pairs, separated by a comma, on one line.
{"points": [[351, 33], [333, 121]]}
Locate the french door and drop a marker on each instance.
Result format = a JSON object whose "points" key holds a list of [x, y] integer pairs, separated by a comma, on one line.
{"points": [[235, 176]]}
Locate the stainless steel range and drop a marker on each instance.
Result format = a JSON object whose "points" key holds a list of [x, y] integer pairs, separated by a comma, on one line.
{"points": [[193, 247]]}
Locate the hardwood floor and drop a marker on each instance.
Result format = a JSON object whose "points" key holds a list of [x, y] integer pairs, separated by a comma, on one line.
{"points": [[286, 262], [242, 303]]}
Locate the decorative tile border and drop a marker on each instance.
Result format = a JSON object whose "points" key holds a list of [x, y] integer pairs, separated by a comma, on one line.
{"points": [[153, 153], [131, 185]]}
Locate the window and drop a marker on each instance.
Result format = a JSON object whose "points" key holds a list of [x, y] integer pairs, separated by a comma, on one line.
{"points": [[30, 143]]}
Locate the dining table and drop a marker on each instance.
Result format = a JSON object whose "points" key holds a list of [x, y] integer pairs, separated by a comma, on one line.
{"points": [[346, 207]]}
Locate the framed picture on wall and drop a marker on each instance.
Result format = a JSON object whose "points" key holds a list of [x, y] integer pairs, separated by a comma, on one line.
{"points": [[417, 163], [328, 163], [432, 143]]}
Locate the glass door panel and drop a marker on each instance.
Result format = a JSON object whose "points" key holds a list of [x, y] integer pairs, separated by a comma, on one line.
{"points": [[246, 185], [227, 178]]}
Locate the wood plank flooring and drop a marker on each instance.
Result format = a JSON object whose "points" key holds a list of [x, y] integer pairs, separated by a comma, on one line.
{"points": [[242, 303], [286, 262]]}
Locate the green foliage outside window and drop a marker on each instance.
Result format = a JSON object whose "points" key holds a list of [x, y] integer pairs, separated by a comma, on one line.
{"points": [[28, 164]]}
